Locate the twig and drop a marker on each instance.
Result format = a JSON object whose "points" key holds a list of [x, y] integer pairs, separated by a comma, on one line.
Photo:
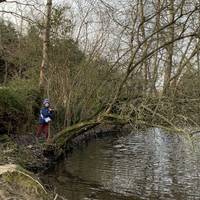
{"points": [[56, 197]]}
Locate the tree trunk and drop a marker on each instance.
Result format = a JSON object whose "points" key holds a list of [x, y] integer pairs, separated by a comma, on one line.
{"points": [[145, 48], [46, 41], [186, 58], [170, 48], [6, 73], [198, 51], [44, 82], [155, 61]]}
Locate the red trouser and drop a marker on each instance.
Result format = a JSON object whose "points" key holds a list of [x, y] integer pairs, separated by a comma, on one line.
{"points": [[43, 128]]}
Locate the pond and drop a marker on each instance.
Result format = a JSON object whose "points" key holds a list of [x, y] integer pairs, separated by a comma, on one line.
{"points": [[145, 165]]}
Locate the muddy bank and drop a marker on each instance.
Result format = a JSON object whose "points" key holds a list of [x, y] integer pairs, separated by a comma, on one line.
{"points": [[17, 159], [25, 151], [19, 184]]}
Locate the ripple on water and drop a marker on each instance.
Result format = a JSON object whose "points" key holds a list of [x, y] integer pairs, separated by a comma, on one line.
{"points": [[150, 165]]}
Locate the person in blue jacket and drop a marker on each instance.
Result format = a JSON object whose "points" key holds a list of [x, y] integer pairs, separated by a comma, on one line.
{"points": [[46, 115]]}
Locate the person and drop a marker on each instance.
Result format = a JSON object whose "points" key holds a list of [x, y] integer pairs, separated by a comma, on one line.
{"points": [[46, 115]]}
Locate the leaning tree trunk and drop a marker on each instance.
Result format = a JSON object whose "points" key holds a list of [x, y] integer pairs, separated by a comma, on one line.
{"points": [[46, 41]]}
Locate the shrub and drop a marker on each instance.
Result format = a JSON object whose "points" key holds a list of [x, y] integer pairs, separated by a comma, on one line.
{"points": [[19, 103]]}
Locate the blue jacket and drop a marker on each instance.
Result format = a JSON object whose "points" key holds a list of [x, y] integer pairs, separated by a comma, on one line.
{"points": [[44, 113]]}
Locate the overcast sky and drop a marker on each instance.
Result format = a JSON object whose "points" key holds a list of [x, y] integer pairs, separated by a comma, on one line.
{"points": [[20, 7]]}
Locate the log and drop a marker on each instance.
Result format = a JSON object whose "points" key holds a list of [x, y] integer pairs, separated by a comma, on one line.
{"points": [[63, 136], [68, 133]]}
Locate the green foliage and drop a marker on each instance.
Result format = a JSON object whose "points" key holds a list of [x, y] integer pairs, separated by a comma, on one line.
{"points": [[9, 37], [8, 45], [61, 25], [79, 85], [11, 100], [29, 53], [19, 103]]}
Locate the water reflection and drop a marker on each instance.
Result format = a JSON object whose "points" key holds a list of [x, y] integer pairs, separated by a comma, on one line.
{"points": [[150, 165]]}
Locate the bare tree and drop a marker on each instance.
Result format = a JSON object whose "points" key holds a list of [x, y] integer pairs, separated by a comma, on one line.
{"points": [[46, 40]]}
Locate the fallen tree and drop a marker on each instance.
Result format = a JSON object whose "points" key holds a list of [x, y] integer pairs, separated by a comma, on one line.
{"points": [[160, 113]]}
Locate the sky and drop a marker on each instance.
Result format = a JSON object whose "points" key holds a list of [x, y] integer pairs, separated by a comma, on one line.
{"points": [[25, 7], [12, 10], [37, 9], [31, 10]]}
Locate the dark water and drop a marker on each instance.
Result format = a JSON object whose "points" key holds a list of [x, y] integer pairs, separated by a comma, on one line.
{"points": [[151, 165]]}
